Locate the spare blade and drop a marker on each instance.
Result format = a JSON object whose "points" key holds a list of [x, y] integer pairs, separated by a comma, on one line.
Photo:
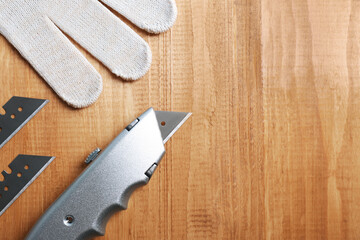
{"points": [[25, 169], [170, 122], [19, 111]]}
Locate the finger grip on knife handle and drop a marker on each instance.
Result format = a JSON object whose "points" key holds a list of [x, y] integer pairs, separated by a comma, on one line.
{"points": [[104, 188]]}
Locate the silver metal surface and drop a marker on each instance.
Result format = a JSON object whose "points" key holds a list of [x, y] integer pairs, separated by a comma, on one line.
{"points": [[25, 169], [19, 111], [105, 186], [170, 122]]}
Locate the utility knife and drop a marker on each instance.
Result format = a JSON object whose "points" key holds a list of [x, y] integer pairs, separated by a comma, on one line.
{"points": [[105, 186]]}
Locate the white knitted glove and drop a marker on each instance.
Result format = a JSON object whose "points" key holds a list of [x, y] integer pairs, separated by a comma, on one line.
{"points": [[32, 26]]}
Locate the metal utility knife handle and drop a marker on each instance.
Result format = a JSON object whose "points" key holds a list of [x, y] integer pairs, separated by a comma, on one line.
{"points": [[84, 209]]}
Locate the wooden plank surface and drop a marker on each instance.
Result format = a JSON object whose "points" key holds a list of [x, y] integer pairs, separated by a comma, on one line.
{"points": [[310, 63], [271, 151]]}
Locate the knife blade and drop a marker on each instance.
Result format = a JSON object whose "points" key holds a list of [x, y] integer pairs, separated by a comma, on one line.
{"points": [[18, 111], [105, 186], [25, 169]]}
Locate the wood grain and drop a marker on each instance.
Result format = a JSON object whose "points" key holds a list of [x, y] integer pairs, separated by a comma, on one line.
{"points": [[271, 151], [310, 60]]}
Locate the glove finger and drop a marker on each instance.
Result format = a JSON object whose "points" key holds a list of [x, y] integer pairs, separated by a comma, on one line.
{"points": [[154, 16], [105, 36], [54, 57]]}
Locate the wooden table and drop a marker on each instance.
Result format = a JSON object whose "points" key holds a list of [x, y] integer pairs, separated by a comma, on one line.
{"points": [[272, 150]]}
